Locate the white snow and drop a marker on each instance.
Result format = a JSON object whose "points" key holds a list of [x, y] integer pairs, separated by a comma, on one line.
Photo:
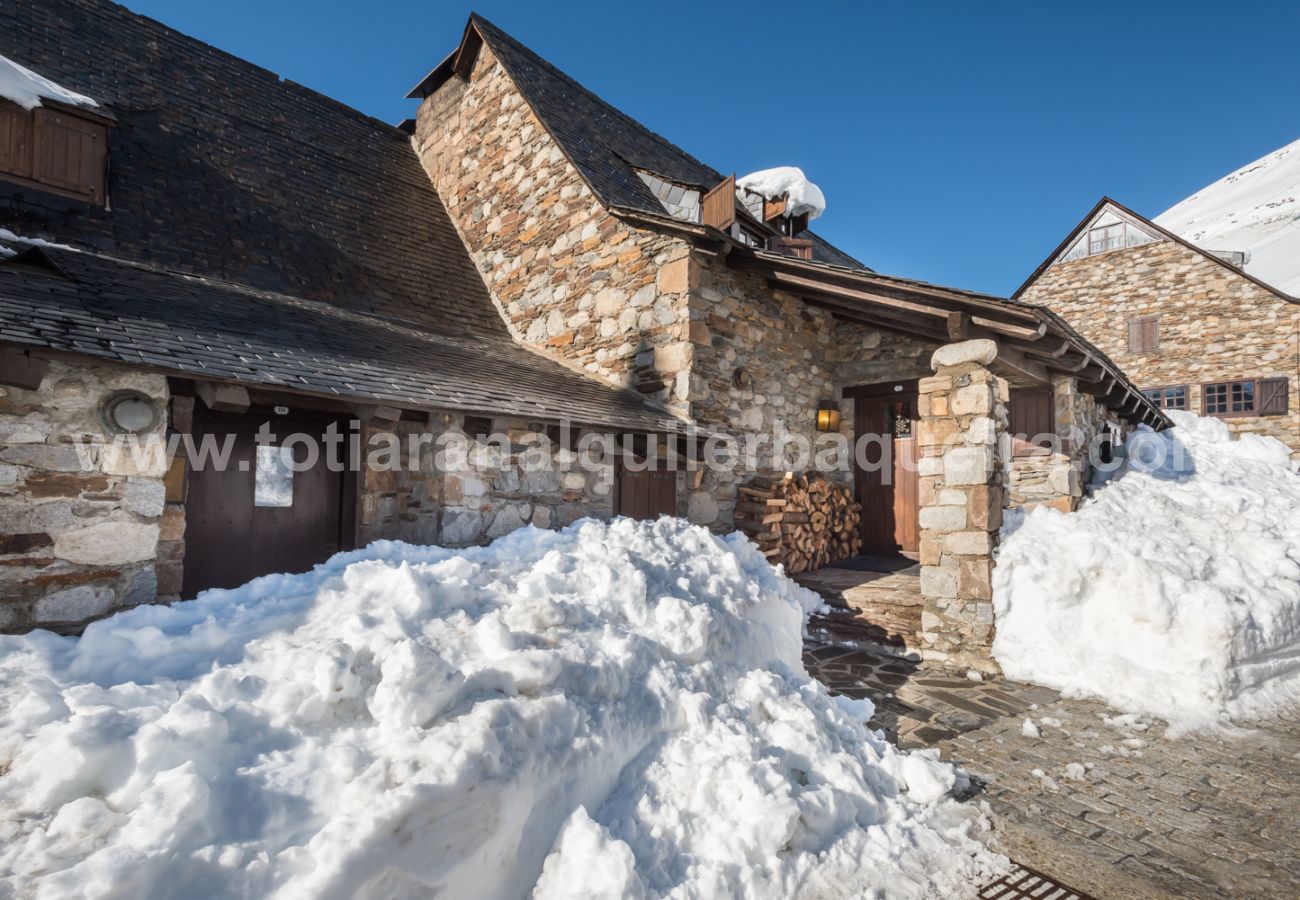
{"points": [[1173, 591], [1029, 729], [27, 89], [790, 182], [1255, 209], [619, 709]]}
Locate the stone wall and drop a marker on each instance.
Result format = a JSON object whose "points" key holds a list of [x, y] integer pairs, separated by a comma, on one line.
{"points": [[1215, 324], [762, 359], [79, 522], [1058, 478], [494, 486], [963, 416], [568, 277]]}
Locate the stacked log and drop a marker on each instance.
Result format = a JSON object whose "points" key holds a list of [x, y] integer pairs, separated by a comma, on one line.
{"points": [[803, 522]]}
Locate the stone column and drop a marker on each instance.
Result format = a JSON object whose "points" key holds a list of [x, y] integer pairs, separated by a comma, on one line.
{"points": [[962, 412]]}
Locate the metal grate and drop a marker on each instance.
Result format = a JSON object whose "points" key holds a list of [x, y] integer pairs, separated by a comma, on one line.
{"points": [[1026, 884]]}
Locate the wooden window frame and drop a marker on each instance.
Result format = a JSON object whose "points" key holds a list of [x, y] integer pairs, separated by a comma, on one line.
{"points": [[41, 125], [1253, 412], [1123, 237], [1137, 346], [1185, 388]]}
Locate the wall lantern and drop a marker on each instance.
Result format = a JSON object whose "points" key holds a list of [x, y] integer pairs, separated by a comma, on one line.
{"points": [[828, 417], [129, 412]]}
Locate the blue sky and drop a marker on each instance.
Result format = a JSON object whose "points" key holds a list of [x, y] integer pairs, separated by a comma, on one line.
{"points": [[956, 142]]}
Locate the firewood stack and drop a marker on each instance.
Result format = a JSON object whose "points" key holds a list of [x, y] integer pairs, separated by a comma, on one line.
{"points": [[802, 521]]}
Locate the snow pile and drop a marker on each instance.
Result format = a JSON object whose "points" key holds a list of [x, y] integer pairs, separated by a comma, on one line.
{"points": [[1255, 209], [1173, 591], [790, 182], [27, 89], [617, 709]]}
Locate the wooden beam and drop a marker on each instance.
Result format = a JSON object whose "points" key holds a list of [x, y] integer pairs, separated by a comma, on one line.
{"points": [[800, 284], [222, 397], [1017, 361], [1019, 331], [959, 326], [20, 369]]}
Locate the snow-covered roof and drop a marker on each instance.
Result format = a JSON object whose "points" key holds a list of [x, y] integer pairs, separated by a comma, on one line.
{"points": [[26, 88], [1256, 209], [802, 196]]}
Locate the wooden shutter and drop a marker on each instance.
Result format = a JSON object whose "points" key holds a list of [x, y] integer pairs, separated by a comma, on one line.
{"points": [[71, 154], [719, 205], [1273, 396], [15, 140], [1144, 334], [1031, 413]]}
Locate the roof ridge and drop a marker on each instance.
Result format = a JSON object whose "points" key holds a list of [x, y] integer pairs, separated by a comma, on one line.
{"points": [[503, 34]]}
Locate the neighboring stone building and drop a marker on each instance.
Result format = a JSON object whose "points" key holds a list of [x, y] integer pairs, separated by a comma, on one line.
{"points": [[521, 259], [1193, 329]]}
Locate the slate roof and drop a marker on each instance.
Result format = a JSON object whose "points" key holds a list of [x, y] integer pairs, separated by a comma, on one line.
{"points": [[222, 170], [137, 314], [604, 144]]}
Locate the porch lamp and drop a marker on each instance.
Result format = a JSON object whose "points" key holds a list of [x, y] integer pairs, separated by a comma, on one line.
{"points": [[828, 416]]}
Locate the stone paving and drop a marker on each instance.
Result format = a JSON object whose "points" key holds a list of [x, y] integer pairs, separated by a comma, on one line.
{"points": [[1101, 801]]}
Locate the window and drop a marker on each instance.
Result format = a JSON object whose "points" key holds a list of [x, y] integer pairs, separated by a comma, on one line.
{"points": [[1230, 398], [750, 238], [1105, 237], [1144, 334], [273, 481], [1168, 397], [1032, 421], [56, 150]]}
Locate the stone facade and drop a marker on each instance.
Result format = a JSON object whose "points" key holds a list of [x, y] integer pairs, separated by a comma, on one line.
{"points": [[963, 417], [469, 491], [568, 277], [1215, 324], [80, 523], [637, 306], [1058, 478]]}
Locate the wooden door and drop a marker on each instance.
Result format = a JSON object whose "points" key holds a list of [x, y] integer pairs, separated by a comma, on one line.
{"points": [[647, 494], [888, 491], [255, 515]]}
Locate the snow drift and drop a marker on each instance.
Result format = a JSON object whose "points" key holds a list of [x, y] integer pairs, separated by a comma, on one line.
{"points": [[1174, 590], [1255, 209], [617, 709], [24, 87], [787, 181]]}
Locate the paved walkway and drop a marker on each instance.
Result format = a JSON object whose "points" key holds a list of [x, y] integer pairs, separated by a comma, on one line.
{"points": [[1101, 801]]}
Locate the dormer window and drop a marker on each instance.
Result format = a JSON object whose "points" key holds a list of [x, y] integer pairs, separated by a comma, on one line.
{"points": [[59, 149]]}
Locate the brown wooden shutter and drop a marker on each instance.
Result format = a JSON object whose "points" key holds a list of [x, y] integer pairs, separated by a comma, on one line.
{"points": [[1031, 413], [70, 154], [1144, 334], [1273, 396], [719, 205], [15, 140]]}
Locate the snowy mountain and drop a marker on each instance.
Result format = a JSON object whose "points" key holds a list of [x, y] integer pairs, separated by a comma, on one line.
{"points": [[1255, 209]]}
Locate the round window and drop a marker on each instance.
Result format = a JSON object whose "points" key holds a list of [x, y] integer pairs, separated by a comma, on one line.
{"points": [[130, 412]]}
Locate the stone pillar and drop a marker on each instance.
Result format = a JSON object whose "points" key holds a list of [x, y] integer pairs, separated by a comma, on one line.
{"points": [[962, 412]]}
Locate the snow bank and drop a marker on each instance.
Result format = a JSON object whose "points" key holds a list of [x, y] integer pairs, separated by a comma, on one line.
{"points": [[1255, 209], [1173, 591], [617, 709], [790, 182], [27, 89]]}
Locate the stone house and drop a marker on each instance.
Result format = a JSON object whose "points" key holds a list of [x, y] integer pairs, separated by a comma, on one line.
{"points": [[1189, 325], [231, 253]]}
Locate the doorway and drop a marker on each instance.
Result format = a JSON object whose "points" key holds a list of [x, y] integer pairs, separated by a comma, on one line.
{"points": [[258, 514], [887, 488]]}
